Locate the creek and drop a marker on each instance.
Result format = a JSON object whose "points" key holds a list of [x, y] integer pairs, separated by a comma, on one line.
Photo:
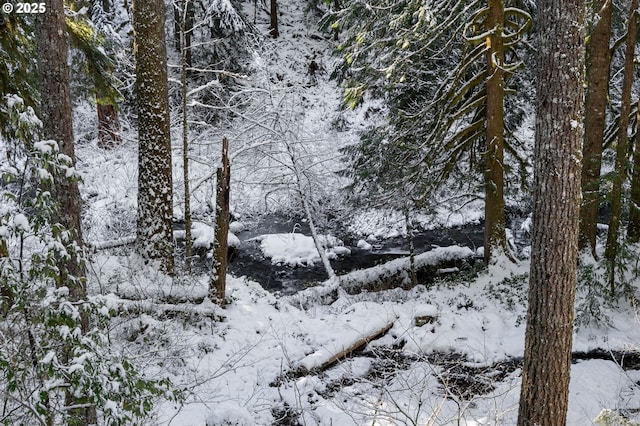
{"points": [[248, 259]]}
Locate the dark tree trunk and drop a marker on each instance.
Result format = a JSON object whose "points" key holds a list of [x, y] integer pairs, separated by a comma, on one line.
{"points": [[597, 92], [622, 148], [55, 113], [494, 234], [220, 249], [273, 25], [185, 157], [558, 140], [155, 185], [633, 229], [108, 126]]}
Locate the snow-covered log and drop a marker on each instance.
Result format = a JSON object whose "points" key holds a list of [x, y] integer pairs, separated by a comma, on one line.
{"points": [[394, 274]]}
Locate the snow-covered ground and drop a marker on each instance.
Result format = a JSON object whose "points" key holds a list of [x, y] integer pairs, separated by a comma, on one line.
{"points": [[242, 365]]}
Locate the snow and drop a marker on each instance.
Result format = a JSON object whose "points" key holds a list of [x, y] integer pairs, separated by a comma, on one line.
{"points": [[21, 223], [234, 362], [362, 244], [296, 249], [235, 366], [46, 147], [204, 236]]}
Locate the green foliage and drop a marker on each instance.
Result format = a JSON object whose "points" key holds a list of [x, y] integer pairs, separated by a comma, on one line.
{"points": [[98, 65], [593, 294], [426, 62], [54, 350], [608, 417], [20, 124], [593, 297], [17, 76]]}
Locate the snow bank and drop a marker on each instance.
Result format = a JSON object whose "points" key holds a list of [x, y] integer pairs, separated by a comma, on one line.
{"points": [[295, 249]]}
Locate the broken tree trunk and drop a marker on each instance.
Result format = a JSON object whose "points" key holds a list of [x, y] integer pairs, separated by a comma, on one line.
{"points": [[108, 126], [219, 278]]}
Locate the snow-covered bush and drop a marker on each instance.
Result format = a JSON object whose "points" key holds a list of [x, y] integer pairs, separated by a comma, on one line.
{"points": [[55, 357]]}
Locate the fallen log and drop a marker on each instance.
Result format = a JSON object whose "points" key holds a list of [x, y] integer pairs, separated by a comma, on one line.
{"points": [[307, 362], [397, 273], [119, 306], [322, 359], [394, 274]]}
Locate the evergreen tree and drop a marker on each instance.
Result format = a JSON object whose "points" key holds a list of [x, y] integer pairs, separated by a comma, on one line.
{"points": [[552, 283], [598, 61], [155, 183], [622, 146], [18, 79], [55, 112], [443, 70]]}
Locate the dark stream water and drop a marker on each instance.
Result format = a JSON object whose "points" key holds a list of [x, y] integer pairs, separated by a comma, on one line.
{"points": [[248, 260]]}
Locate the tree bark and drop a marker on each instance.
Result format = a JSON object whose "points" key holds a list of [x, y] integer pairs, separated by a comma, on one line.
{"points": [[155, 184], [56, 116], [558, 140], [55, 113], [597, 92], [273, 24], [494, 234], [633, 229], [622, 148], [108, 126], [220, 247], [185, 149]]}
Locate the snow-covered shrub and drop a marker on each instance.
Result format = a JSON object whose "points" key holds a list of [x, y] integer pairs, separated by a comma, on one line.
{"points": [[608, 417], [55, 358], [595, 293]]}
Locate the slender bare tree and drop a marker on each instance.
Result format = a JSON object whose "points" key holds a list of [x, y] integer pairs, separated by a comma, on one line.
{"points": [[622, 147]]}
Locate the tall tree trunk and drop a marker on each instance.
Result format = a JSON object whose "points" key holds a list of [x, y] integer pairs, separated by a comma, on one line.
{"points": [[597, 92], [552, 279], [55, 113], [218, 285], [273, 24], [633, 229], [189, 16], [622, 149], [185, 153], [495, 241], [155, 184]]}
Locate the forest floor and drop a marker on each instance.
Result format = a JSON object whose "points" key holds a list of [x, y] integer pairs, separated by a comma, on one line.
{"points": [[446, 353], [451, 354]]}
